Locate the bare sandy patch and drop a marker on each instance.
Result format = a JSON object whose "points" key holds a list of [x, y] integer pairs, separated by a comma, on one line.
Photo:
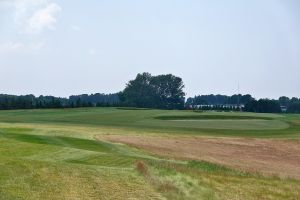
{"points": [[266, 156]]}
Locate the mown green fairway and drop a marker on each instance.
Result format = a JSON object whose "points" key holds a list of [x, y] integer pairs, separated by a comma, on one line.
{"points": [[53, 154], [207, 123]]}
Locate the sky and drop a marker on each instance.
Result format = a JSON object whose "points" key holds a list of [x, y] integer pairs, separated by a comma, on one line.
{"points": [[64, 47]]}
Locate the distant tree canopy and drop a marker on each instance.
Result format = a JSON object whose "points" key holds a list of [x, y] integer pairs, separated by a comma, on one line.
{"points": [[263, 106], [224, 102], [94, 100], [292, 105], [30, 101], [147, 91], [219, 99]]}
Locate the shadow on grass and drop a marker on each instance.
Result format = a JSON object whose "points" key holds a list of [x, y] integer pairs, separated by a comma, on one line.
{"points": [[132, 108], [91, 145], [210, 117]]}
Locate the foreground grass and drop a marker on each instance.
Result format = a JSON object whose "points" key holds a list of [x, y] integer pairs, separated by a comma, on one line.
{"points": [[56, 167], [202, 180], [51, 154], [50, 167]]}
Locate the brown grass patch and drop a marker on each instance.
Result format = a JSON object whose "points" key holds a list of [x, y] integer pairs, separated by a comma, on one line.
{"points": [[162, 186], [167, 186], [266, 156], [141, 167]]}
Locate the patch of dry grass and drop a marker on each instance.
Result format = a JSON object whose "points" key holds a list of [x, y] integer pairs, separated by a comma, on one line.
{"points": [[278, 156], [161, 186]]}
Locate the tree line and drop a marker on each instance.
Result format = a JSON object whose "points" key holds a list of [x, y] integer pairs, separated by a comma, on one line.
{"points": [[8, 102], [245, 103], [145, 91], [219, 99], [161, 92], [94, 100], [282, 104]]}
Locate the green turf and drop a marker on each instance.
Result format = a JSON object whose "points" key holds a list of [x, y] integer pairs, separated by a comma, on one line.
{"points": [[52, 154], [204, 116], [146, 120]]}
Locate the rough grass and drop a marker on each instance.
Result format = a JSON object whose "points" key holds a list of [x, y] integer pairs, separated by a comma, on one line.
{"points": [[203, 180], [50, 167], [52, 154]]}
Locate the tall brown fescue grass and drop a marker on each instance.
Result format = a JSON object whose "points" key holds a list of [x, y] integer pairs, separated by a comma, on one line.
{"points": [[162, 186]]}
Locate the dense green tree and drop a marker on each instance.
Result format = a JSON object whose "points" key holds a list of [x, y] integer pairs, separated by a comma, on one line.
{"points": [[284, 101], [219, 99], [168, 91], [263, 106], [162, 91], [294, 107], [139, 92], [30, 101]]}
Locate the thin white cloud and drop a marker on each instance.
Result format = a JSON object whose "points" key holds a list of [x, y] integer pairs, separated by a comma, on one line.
{"points": [[92, 52], [75, 28], [11, 47], [33, 16], [44, 18], [28, 16], [20, 47], [24, 8]]}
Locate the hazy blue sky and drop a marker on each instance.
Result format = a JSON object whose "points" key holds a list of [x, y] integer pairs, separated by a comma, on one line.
{"points": [[63, 47]]}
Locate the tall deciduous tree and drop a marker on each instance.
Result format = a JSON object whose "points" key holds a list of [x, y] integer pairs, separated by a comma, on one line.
{"points": [[162, 91]]}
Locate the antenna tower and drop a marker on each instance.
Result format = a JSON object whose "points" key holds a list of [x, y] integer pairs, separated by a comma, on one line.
{"points": [[238, 96]]}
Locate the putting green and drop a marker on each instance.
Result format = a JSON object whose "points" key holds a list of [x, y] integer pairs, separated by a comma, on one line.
{"points": [[236, 121], [252, 124]]}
